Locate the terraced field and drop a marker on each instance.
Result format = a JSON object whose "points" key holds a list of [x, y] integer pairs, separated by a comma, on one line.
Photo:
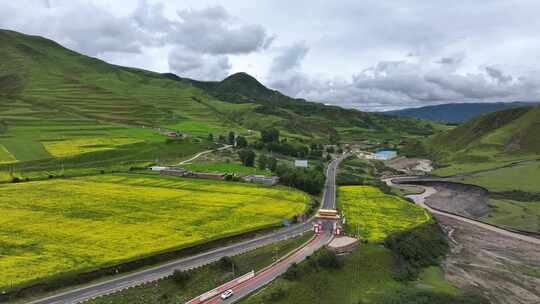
{"points": [[71, 225], [374, 215]]}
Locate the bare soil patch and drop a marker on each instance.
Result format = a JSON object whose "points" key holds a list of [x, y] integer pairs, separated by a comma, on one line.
{"points": [[462, 199], [411, 166], [505, 270]]}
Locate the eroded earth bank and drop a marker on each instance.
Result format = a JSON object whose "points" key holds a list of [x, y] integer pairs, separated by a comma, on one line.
{"points": [[502, 268]]}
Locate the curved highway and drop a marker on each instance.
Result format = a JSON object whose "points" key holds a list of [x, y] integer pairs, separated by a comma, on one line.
{"points": [[116, 284], [420, 200]]}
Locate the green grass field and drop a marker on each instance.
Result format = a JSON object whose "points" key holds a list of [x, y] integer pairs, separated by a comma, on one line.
{"points": [[225, 167], [514, 214], [5, 156], [203, 279], [71, 225], [367, 275], [525, 177], [374, 215]]}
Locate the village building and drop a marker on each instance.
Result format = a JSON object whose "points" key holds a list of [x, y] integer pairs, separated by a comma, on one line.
{"points": [[301, 163], [262, 179], [157, 168], [174, 172]]}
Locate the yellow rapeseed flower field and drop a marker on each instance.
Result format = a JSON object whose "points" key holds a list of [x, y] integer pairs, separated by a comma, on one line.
{"points": [[76, 146], [374, 215], [55, 226]]}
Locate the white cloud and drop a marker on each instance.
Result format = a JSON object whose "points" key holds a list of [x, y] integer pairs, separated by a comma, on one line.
{"points": [[372, 54], [194, 65]]}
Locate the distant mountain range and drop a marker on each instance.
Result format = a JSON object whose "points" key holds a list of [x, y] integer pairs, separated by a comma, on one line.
{"points": [[457, 112]]}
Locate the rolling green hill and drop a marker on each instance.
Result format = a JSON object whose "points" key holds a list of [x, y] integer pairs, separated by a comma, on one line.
{"points": [[58, 107], [490, 140], [308, 117]]}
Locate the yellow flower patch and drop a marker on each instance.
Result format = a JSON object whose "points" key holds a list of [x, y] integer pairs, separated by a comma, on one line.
{"points": [[71, 147], [55, 226], [374, 215]]}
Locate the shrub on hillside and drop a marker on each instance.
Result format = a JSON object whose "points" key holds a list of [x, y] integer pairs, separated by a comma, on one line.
{"points": [[412, 296], [181, 277], [276, 295], [293, 273], [328, 259], [247, 157], [226, 263], [417, 248]]}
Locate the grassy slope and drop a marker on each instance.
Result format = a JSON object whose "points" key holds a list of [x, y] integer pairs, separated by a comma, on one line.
{"points": [[494, 141], [524, 214], [51, 94], [366, 276], [525, 177], [83, 223], [308, 118], [203, 279], [489, 141], [515, 214]]}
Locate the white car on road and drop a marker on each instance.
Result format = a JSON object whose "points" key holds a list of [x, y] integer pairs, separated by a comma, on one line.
{"points": [[227, 294]]}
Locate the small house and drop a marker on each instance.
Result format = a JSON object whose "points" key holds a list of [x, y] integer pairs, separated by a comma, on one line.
{"points": [[262, 179], [301, 163]]}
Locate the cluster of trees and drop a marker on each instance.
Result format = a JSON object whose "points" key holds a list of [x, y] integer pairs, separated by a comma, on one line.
{"points": [[231, 139], [310, 180], [323, 258], [270, 140], [248, 158], [267, 162], [417, 248], [414, 148]]}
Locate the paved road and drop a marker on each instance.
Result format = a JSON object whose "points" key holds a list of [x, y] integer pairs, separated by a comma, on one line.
{"points": [[420, 200], [137, 278], [329, 194]]}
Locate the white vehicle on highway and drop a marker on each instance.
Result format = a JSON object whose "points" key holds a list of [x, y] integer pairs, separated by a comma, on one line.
{"points": [[227, 294]]}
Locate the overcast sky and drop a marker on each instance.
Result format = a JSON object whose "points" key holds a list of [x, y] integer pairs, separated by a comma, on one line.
{"points": [[369, 54]]}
